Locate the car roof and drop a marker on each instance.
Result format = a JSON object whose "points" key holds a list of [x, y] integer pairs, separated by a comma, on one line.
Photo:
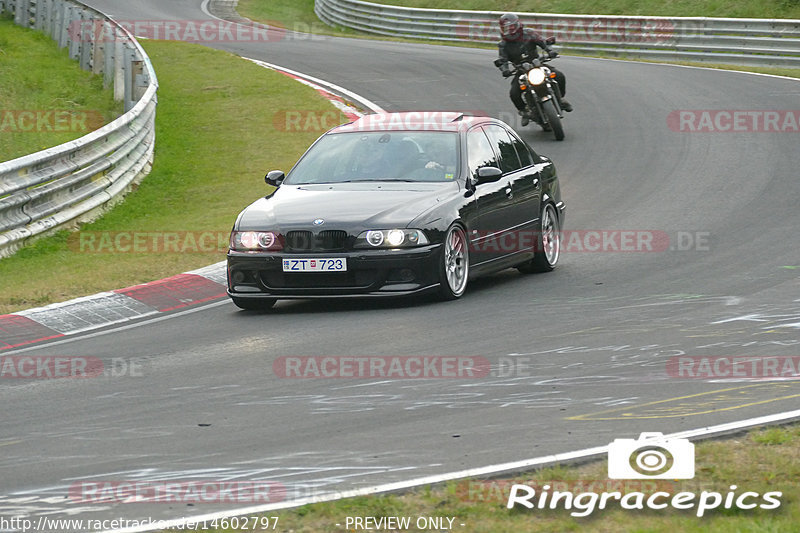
{"points": [[452, 121]]}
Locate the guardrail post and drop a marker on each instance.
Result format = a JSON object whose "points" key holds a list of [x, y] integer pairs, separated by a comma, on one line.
{"points": [[119, 67], [48, 19], [85, 37], [19, 13], [55, 22], [63, 24], [41, 14], [98, 47], [130, 78], [74, 21], [140, 80], [108, 39]]}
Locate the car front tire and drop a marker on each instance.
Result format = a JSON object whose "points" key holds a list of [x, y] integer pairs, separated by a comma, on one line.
{"points": [[548, 243], [454, 263]]}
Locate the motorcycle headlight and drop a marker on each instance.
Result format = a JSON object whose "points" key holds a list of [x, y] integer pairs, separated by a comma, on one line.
{"points": [[391, 238], [536, 76]]}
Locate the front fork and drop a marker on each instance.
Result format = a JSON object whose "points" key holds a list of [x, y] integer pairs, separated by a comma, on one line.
{"points": [[548, 91], [534, 106]]}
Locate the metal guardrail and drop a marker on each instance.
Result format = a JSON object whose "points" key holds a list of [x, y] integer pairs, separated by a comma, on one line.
{"points": [[750, 42], [76, 181]]}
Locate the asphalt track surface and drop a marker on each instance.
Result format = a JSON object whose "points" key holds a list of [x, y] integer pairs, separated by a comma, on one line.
{"points": [[591, 339]]}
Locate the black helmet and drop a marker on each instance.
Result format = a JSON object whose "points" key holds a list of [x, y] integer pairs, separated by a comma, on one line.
{"points": [[510, 27]]}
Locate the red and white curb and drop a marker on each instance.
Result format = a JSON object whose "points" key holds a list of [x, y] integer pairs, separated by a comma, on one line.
{"points": [[327, 89], [108, 308], [192, 288]]}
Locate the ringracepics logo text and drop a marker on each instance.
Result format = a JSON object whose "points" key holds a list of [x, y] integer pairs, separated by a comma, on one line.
{"points": [[650, 457], [586, 503]]}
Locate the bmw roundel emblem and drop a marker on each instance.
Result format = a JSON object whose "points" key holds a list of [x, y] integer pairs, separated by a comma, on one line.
{"points": [[318, 221]]}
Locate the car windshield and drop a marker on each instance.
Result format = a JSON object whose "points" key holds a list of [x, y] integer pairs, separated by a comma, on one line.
{"points": [[379, 156]]}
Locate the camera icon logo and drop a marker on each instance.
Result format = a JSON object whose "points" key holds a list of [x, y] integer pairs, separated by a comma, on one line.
{"points": [[651, 456]]}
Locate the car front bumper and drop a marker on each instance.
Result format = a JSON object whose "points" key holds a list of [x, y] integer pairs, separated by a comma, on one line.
{"points": [[369, 273]]}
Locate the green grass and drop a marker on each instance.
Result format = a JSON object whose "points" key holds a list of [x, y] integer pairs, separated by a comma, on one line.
{"points": [[36, 78], [217, 133], [761, 461], [294, 15]]}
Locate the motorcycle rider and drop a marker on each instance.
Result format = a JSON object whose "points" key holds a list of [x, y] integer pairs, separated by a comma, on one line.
{"points": [[516, 43]]}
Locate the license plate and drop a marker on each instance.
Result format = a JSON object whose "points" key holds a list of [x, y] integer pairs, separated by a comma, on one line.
{"points": [[338, 264]]}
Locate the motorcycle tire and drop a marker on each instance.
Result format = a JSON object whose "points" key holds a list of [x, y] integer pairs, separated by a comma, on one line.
{"points": [[549, 109]]}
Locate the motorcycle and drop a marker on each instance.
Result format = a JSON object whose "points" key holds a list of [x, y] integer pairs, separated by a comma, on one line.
{"points": [[540, 93]]}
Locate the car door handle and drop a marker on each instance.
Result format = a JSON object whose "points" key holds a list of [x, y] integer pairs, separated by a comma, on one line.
{"points": [[509, 192], [535, 182]]}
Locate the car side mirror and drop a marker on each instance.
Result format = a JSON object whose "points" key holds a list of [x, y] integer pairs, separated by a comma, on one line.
{"points": [[274, 178], [487, 175]]}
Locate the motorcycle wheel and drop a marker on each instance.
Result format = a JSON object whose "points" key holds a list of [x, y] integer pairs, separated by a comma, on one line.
{"points": [[552, 117]]}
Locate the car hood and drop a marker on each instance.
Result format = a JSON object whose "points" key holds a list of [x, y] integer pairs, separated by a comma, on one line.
{"points": [[349, 206]]}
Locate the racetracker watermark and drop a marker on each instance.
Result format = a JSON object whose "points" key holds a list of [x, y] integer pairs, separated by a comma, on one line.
{"points": [[193, 31], [609, 241], [734, 121], [294, 120], [49, 120], [176, 491], [591, 241], [382, 367], [56, 367], [577, 29], [148, 242], [412, 121], [725, 367]]}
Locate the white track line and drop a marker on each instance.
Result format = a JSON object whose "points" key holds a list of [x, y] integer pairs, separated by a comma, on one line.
{"points": [[328, 85], [688, 66], [472, 472]]}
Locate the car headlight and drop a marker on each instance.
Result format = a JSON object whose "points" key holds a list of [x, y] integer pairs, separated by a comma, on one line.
{"points": [[391, 238], [259, 241], [536, 76]]}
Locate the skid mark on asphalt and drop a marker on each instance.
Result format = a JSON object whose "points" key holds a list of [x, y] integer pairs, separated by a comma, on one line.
{"points": [[320, 474], [703, 403]]}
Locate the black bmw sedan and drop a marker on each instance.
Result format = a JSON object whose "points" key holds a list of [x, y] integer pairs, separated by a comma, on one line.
{"points": [[397, 204]]}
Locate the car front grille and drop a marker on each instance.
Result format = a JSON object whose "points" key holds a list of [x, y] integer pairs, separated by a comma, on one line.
{"points": [[361, 279], [324, 241]]}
